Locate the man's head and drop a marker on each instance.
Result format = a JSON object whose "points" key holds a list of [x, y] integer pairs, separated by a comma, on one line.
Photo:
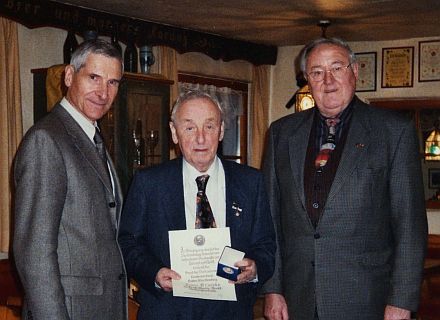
{"points": [[197, 126], [93, 77], [330, 67]]}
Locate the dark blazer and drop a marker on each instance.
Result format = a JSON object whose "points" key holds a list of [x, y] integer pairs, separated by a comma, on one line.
{"points": [[66, 217], [155, 205], [368, 248]]}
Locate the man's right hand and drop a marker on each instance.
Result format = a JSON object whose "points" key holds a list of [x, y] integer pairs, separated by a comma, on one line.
{"points": [[275, 307], [164, 277]]}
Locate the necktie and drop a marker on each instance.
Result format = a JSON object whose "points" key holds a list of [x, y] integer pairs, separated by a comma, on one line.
{"points": [[329, 144], [100, 147], [204, 216]]}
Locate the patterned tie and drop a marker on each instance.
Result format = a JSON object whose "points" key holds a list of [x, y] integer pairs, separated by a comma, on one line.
{"points": [[329, 144], [204, 216], [100, 147]]}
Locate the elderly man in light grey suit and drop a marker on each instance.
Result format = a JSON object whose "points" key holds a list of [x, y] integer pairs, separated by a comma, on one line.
{"points": [[68, 200], [346, 195]]}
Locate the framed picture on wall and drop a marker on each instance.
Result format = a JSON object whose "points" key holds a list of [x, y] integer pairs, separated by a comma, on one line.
{"points": [[429, 60], [434, 178], [367, 71], [397, 67]]}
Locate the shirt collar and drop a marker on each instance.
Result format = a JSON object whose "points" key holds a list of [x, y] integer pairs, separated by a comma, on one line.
{"points": [[84, 123], [192, 173]]}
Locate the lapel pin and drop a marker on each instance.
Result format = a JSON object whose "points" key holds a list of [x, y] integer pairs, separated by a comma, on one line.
{"points": [[237, 209], [360, 145]]}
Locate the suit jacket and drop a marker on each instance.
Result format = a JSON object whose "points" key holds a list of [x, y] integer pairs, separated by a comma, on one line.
{"points": [[66, 217], [155, 205], [368, 248]]}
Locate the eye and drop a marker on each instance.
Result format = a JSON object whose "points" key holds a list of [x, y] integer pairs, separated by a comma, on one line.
{"points": [[316, 73], [113, 83], [93, 77]]}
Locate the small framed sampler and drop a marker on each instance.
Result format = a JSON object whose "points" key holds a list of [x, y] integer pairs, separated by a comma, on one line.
{"points": [[366, 80], [429, 60], [397, 67], [434, 178]]}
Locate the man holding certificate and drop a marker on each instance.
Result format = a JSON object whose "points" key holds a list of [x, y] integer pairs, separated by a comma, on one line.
{"points": [[179, 217]]}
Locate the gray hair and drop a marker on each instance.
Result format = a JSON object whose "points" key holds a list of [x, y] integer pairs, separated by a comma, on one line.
{"points": [[305, 53], [95, 46], [192, 95]]}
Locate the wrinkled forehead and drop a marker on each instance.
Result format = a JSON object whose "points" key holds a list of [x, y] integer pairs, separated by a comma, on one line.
{"points": [[198, 109]]}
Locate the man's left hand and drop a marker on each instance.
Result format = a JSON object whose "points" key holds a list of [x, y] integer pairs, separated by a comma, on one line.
{"points": [[248, 271], [395, 313]]}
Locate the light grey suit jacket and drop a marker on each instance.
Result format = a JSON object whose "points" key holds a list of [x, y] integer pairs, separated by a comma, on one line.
{"points": [[66, 216], [368, 248]]}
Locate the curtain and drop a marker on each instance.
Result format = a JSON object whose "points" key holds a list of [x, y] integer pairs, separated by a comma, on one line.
{"points": [[167, 66], [232, 104], [259, 113], [11, 129]]}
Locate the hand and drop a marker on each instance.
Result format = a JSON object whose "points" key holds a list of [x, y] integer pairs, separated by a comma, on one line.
{"points": [[395, 313], [164, 277], [275, 307], [248, 271]]}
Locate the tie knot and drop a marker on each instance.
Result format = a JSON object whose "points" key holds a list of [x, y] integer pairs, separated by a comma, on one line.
{"points": [[201, 182], [332, 122]]}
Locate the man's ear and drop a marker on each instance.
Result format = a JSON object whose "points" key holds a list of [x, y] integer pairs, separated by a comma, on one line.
{"points": [[222, 131], [174, 133], [68, 75]]}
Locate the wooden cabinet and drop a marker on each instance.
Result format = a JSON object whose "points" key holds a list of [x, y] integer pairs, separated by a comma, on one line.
{"points": [[136, 128]]}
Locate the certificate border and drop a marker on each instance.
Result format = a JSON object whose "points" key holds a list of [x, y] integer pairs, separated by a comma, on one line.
{"points": [[404, 82], [423, 62], [371, 58]]}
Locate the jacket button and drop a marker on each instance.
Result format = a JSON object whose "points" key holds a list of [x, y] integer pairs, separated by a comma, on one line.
{"points": [[312, 263], [316, 236], [112, 204], [315, 205]]}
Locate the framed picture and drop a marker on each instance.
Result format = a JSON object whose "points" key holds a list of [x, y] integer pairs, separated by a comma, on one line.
{"points": [[397, 67], [429, 60], [367, 71], [434, 178]]}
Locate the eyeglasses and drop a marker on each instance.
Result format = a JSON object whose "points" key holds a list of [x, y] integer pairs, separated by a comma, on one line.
{"points": [[337, 72]]}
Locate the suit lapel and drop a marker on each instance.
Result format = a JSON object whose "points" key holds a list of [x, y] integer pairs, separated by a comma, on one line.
{"points": [[234, 197], [298, 143], [355, 149], [84, 145], [173, 199]]}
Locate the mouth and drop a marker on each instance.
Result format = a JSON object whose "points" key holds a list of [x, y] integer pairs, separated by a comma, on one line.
{"points": [[327, 91]]}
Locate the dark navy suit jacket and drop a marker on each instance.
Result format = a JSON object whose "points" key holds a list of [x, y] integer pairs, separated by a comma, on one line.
{"points": [[155, 205]]}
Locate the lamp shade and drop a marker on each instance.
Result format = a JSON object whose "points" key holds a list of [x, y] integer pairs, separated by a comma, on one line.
{"points": [[432, 145]]}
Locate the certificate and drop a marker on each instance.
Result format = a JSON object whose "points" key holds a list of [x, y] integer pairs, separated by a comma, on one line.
{"points": [[194, 255], [397, 67]]}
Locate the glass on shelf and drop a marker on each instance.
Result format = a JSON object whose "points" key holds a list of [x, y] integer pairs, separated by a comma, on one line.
{"points": [[152, 141]]}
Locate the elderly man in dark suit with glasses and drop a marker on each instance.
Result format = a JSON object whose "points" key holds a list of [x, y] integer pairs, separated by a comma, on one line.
{"points": [[346, 194]]}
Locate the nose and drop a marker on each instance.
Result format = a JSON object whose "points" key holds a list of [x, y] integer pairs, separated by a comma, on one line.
{"points": [[102, 91], [200, 136], [328, 76]]}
